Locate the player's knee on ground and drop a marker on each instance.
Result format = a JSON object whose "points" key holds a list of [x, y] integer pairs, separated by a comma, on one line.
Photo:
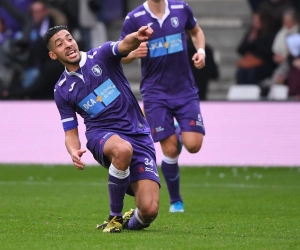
{"points": [[149, 212], [122, 154]]}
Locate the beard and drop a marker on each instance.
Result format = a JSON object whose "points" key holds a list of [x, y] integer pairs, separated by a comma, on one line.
{"points": [[66, 62]]}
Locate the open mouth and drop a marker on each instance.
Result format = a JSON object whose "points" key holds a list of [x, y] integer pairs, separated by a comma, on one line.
{"points": [[71, 54]]}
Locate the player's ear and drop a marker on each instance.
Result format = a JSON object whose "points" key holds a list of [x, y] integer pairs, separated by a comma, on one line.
{"points": [[52, 55]]}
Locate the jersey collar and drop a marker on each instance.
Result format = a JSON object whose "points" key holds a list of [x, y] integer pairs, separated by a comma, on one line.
{"points": [[81, 64], [167, 12]]}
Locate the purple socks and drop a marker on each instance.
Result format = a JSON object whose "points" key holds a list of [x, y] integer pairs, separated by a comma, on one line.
{"points": [[118, 182], [135, 223], [170, 170]]}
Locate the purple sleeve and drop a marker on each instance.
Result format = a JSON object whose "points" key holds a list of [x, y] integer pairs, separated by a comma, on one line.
{"points": [[128, 27], [108, 50], [114, 47], [191, 20], [67, 114]]}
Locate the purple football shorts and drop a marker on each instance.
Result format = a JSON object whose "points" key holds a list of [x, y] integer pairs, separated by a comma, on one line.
{"points": [[160, 115], [143, 164]]}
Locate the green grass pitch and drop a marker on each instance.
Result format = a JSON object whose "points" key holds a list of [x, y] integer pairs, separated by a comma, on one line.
{"points": [[58, 207]]}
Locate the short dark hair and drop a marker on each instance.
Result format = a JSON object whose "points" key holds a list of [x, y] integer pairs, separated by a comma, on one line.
{"points": [[51, 32]]}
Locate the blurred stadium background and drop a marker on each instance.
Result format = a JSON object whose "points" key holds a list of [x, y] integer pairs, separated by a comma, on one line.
{"points": [[249, 133]]}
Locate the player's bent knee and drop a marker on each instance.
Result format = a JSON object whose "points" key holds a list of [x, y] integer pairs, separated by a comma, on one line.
{"points": [[192, 141], [170, 150], [123, 150], [171, 153], [194, 148], [149, 213], [121, 155], [169, 146]]}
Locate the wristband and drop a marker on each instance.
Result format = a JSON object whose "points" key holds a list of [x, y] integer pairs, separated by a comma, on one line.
{"points": [[202, 51]]}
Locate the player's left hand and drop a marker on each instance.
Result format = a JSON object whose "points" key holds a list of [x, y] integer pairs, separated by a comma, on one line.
{"points": [[199, 60], [144, 33]]}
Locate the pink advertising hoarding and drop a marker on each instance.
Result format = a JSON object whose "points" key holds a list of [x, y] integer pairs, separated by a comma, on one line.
{"points": [[237, 134]]}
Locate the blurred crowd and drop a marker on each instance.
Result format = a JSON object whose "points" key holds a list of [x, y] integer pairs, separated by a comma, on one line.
{"points": [[26, 71], [270, 50]]}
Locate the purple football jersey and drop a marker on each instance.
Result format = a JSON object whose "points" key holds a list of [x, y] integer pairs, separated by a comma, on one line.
{"points": [[100, 93], [166, 72]]}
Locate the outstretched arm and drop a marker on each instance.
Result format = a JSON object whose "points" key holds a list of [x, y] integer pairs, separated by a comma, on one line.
{"points": [[198, 39], [73, 146], [133, 40], [140, 52]]}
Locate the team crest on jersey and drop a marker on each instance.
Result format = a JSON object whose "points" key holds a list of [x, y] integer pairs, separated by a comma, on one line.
{"points": [[97, 70], [174, 21]]}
